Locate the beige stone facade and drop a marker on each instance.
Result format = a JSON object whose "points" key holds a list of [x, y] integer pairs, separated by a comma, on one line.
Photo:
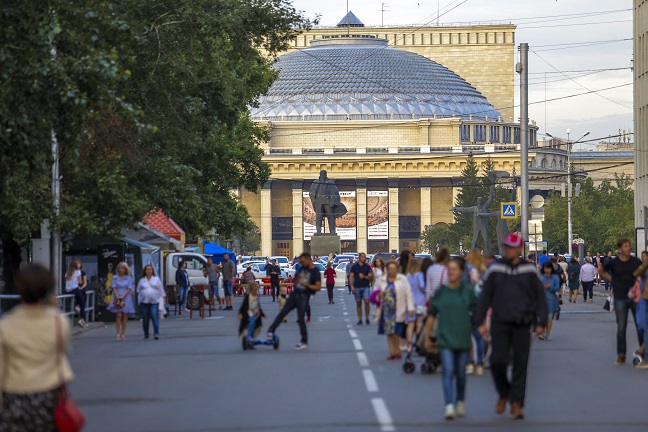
{"points": [[482, 55]]}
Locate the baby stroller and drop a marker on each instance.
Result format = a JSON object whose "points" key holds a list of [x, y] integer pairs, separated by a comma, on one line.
{"points": [[432, 359]]}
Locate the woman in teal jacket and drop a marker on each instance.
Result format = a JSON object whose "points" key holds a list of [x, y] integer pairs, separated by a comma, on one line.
{"points": [[452, 306]]}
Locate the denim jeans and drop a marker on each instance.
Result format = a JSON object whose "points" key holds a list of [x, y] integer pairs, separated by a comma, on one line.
{"points": [[182, 294], [621, 308], [479, 346], [251, 328], [79, 298], [213, 291], [296, 300], [645, 317], [150, 311], [454, 366]]}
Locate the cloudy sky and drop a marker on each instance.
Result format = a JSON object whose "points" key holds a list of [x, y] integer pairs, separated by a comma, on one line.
{"points": [[572, 41]]}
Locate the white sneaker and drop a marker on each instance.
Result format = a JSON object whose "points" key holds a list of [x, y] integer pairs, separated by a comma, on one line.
{"points": [[450, 412], [470, 369], [479, 370], [461, 409], [301, 346]]}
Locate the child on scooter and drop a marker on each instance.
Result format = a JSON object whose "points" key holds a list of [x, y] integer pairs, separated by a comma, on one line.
{"points": [[250, 314]]}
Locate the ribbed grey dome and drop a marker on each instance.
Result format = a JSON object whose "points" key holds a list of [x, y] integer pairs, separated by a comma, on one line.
{"points": [[362, 78]]}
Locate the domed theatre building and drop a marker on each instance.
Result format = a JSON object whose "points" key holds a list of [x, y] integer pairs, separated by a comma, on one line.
{"points": [[392, 127]]}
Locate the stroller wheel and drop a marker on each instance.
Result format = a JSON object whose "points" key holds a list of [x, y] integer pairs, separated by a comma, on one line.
{"points": [[275, 345], [244, 342], [409, 367]]}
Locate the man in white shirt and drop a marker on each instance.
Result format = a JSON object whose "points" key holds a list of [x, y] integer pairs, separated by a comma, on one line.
{"points": [[587, 275]]}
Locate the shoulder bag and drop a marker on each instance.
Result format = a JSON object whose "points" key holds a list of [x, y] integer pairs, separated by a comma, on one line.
{"points": [[67, 415]]}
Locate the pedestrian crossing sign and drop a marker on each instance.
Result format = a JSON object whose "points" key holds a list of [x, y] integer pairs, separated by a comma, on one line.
{"points": [[509, 210]]}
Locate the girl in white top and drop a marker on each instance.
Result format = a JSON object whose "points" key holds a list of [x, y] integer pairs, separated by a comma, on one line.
{"points": [[437, 274], [73, 282], [150, 293]]}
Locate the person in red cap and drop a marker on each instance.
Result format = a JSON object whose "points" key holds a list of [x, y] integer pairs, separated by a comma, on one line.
{"points": [[513, 290]]}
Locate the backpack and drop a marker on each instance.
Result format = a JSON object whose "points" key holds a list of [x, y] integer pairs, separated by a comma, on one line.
{"points": [[572, 272]]}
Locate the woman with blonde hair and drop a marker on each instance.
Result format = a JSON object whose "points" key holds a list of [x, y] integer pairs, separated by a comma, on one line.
{"points": [[73, 282], [122, 304], [396, 303]]}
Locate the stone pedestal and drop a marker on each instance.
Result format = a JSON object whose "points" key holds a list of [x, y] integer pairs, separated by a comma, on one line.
{"points": [[324, 244]]}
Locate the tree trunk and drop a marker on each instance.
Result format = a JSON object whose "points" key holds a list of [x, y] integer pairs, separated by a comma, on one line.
{"points": [[11, 261]]}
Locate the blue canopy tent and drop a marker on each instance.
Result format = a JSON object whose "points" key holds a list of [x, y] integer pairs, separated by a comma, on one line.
{"points": [[217, 252]]}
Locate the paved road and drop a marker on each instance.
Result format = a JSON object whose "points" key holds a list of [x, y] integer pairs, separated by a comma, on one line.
{"points": [[197, 378]]}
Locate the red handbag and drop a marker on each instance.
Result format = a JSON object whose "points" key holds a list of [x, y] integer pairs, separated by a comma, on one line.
{"points": [[67, 415]]}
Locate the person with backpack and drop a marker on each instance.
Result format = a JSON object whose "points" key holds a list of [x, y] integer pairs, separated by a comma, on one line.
{"points": [[573, 278]]}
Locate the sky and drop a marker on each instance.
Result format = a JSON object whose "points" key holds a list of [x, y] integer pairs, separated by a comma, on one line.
{"points": [[564, 36]]}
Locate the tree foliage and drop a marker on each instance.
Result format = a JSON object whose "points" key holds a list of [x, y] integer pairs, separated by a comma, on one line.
{"points": [[149, 101], [600, 215], [473, 186]]}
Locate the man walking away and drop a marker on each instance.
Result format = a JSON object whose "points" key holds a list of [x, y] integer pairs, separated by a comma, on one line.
{"points": [[349, 267], [275, 272], [213, 275], [514, 292], [620, 271], [587, 276], [229, 273], [307, 281], [360, 283]]}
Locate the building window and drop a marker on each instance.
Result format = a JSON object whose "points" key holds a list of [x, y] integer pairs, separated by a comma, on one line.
{"points": [[543, 164], [465, 133], [534, 163], [553, 164], [506, 135], [494, 134], [480, 133], [516, 136]]}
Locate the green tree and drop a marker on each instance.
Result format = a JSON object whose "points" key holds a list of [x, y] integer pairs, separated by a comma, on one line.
{"points": [[439, 236], [471, 188], [600, 215], [149, 101]]}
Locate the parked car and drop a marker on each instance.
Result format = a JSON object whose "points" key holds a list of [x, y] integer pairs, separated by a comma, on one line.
{"points": [[282, 261], [342, 258], [258, 268], [423, 256], [386, 257]]}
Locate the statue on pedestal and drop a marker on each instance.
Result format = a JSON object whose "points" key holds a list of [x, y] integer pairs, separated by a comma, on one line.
{"points": [[481, 215], [325, 197]]}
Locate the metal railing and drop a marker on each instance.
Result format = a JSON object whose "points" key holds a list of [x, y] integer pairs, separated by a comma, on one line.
{"points": [[66, 303]]}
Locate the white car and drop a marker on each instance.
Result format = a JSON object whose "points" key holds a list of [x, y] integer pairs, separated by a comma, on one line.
{"points": [[258, 268], [282, 261]]}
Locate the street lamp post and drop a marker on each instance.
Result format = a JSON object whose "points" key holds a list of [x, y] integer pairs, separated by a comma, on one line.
{"points": [[570, 235]]}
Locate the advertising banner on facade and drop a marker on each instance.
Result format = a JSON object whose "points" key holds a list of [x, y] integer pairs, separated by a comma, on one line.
{"points": [[346, 225], [377, 215]]}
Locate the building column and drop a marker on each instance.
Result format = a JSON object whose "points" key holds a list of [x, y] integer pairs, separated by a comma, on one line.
{"points": [[426, 202], [298, 218], [361, 215], [394, 244], [266, 219]]}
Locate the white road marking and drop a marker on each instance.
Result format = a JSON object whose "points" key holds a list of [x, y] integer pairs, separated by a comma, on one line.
{"points": [[357, 344], [353, 333], [382, 414], [349, 326], [362, 359], [370, 381], [345, 313]]}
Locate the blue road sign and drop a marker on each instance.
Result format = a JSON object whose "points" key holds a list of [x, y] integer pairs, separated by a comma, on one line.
{"points": [[509, 210]]}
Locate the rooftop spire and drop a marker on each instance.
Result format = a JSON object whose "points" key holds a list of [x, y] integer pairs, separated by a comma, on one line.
{"points": [[350, 20]]}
